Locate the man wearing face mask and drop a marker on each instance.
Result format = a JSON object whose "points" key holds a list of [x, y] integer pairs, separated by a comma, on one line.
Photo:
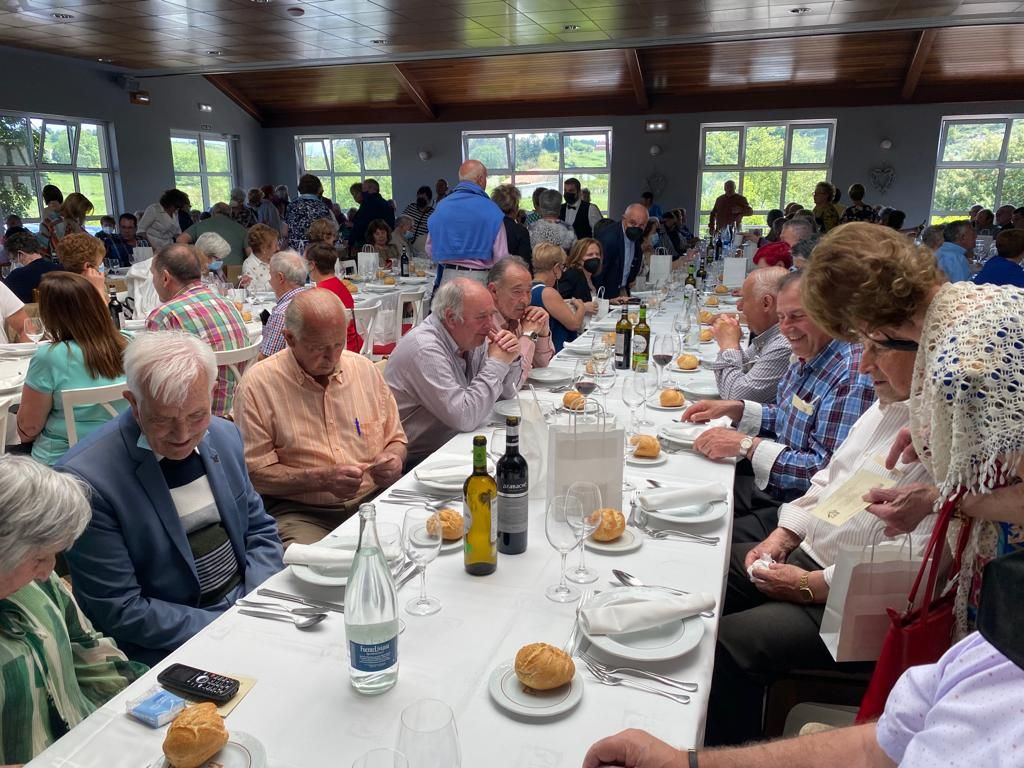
{"points": [[419, 212], [622, 252], [578, 213], [28, 265]]}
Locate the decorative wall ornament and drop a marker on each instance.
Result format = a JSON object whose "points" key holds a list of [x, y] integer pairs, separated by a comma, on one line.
{"points": [[883, 177], [656, 183]]}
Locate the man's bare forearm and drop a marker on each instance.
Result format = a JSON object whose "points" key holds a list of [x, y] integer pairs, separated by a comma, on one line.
{"points": [[854, 747], [282, 480]]}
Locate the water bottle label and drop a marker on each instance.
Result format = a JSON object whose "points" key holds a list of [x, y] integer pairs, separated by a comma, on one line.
{"points": [[373, 657]]}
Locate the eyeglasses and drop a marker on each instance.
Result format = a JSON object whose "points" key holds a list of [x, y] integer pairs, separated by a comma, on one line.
{"points": [[898, 345]]}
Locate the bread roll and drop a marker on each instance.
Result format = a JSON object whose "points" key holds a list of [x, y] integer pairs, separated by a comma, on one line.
{"points": [[352, 287], [421, 273], [381, 274], [647, 446], [712, 301], [196, 735], [609, 338], [672, 398], [543, 667], [388, 280], [612, 524], [573, 400], [706, 317], [721, 290], [706, 334], [688, 362], [451, 522], [590, 367]]}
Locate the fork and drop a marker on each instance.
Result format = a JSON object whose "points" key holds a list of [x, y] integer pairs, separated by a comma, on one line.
{"points": [[570, 643], [609, 679], [639, 518], [609, 670]]}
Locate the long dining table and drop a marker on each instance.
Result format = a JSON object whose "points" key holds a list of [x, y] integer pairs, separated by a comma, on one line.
{"points": [[304, 711]]}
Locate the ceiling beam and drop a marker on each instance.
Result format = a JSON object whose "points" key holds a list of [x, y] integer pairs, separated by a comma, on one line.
{"points": [[224, 86], [636, 76], [414, 91], [925, 41]]}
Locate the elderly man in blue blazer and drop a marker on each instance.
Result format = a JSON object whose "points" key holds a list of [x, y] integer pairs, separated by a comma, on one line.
{"points": [[178, 533], [623, 257]]}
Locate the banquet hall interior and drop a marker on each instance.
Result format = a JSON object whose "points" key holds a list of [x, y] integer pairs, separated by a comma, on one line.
{"points": [[657, 313]]}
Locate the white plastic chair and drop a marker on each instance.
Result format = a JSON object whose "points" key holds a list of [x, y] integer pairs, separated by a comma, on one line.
{"points": [[101, 396], [416, 298], [365, 318], [235, 359], [6, 403]]}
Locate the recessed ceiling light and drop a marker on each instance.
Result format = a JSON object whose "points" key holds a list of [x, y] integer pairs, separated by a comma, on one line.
{"points": [[570, 27], [260, 2], [380, 42], [62, 16], [295, 11], [102, 60], [213, 53], [800, 11], [205, 107]]}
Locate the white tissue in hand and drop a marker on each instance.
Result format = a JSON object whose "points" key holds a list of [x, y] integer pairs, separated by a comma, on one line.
{"points": [[762, 562]]}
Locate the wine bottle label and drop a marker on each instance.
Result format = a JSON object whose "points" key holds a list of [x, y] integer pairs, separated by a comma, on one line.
{"points": [[513, 510], [374, 657], [639, 345]]}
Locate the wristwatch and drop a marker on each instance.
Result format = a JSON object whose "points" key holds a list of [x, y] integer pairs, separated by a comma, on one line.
{"points": [[745, 445], [532, 335], [805, 588]]}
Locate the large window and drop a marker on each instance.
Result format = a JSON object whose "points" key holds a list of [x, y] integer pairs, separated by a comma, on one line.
{"points": [[772, 163], [35, 151], [204, 167], [981, 162], [341, 161], [531, 159]]}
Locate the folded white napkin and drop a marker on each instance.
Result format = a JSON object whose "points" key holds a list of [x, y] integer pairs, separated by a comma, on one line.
{"points": [[687, 432], [336, 553], [673, 498], [443, 474], [636, 615]]}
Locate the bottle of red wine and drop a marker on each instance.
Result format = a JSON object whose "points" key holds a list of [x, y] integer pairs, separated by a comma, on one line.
{"points": [[512, 475]]}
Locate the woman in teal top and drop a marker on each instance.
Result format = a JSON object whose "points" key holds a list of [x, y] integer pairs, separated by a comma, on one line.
{"points": [[566, 315], [85, 352]]}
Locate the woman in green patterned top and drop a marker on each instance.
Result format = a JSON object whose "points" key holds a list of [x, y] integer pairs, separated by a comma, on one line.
{"points": [[55, 669]]}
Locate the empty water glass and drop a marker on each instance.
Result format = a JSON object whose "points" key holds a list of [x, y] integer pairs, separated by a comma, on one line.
{"points": [[381, 758], [428, 737], [421, 540], [561, 535], [589, 497]]}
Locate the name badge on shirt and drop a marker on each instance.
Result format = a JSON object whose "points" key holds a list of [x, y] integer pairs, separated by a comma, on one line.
{"points": [[802, 405]]}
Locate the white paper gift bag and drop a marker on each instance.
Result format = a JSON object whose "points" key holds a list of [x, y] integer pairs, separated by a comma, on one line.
{"points": [[586, 452], [533, 443], [867, 580]]}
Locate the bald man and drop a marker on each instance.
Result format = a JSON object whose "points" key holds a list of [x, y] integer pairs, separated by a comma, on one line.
{"points": [[320, 426], [622, 254], [752, 372], [466, 233]]}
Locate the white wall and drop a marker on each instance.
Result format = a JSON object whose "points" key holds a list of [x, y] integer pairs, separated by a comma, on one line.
{"points": [[913, 129], [62, 86]]}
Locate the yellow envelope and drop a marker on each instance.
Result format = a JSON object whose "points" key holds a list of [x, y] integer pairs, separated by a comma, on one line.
{"points": [[847, 500]]}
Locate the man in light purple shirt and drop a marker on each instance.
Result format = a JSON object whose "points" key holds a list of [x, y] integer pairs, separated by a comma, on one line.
{"points": [[447, 373]]}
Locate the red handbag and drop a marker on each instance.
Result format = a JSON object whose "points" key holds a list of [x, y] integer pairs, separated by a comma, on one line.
{"points": [[918, 635]]}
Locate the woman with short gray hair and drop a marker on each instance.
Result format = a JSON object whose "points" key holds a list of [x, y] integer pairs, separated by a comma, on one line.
{"points": [[212, 249], [54, 662], [549, 228], [507, 197], [239, 211]]}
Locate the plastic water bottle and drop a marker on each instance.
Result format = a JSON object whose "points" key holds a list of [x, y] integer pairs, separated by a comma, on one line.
{"points": [[693, 312], [371, 613]]}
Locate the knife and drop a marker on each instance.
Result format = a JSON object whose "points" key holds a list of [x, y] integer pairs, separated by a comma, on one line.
{"points": [[305, 601]]}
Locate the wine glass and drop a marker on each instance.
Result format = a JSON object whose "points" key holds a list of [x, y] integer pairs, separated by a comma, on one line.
{"points": [[633, 398], [428, 737], [381, 758], [665, 349], [589, 497], [646, 382], [604, 375], [33, 328], [562, 510], [584, 382], [421, 540]]}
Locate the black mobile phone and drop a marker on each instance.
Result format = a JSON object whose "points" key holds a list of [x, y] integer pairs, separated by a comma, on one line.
{"points": [[198, 684]]}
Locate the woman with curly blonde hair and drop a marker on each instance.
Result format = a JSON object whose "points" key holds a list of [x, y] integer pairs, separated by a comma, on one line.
{"points": [[83, 254]]}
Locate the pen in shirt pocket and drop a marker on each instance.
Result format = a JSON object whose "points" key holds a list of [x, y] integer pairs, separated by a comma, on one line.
{"points": [[359, 429]]}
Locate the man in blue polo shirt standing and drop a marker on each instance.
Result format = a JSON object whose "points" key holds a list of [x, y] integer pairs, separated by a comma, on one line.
{"points": [[1003, 268], [466, 234]]}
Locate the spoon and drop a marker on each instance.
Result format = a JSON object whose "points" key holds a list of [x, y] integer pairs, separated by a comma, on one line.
{"points": [[305, 610], [632, 581], [300, 622]]}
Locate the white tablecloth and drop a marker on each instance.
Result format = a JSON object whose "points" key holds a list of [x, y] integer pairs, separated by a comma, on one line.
{"points": [[306, 714]]}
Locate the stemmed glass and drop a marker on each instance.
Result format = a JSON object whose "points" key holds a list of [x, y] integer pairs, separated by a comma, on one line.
{"points": [[633, 398], [428, 737], [647, 383], [33, 328], [589, 497], [664, 352], [681, 325], [584, 382], [558, 527], [421, 540], [381, 758], [604, 375]]}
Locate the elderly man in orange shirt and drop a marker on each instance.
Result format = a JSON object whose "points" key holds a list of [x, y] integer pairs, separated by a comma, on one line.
{"points": [[320, 426]]}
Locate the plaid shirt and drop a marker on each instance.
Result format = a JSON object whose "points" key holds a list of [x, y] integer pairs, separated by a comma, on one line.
{"points": [[753, 372], [818, 402], [199, 311], [273, 331]]}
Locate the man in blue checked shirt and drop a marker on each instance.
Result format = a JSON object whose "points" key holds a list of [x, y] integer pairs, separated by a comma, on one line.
{"points": [[781, 445]]}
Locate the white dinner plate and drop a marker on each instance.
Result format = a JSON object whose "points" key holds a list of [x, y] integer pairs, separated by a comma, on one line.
{"points": [[447, 547], [582, 351], [591, 407], [659, 407], [449, 462], [379, 288], [661, 459], [510, 694], [698, 513], [668, 641], [308, 575], [696, 390], [676, 369], [629, 541], [550, 375], [729, 299], [507, 408], [413, 280], [241, 751], [605, 324]]}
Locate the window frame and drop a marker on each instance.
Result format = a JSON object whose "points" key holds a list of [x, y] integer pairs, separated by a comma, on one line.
{"points": [[740, 168], [203, 173], [365, 172], [1000, 165], [562, 172], [38, 169]]}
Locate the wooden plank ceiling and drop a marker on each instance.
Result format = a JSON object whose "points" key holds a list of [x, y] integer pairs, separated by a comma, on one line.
{"points": [[949, 64]]}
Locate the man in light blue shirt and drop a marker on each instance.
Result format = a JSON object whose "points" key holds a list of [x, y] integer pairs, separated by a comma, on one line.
{"points": [[952, 255]]}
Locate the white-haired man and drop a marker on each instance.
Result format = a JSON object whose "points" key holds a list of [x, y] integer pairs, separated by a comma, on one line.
{"points": [[178, 533], [288, 272], [221, 223], [448, 372], [320, 426]]}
